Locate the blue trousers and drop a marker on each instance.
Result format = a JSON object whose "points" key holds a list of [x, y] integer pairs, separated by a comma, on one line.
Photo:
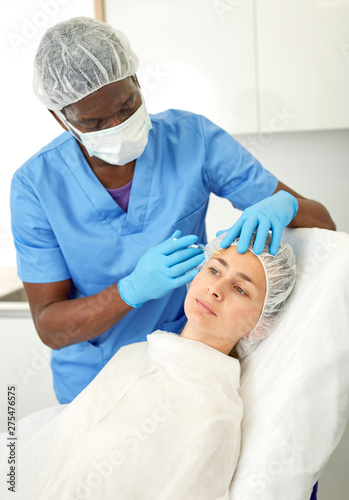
{"points": [[313, 495]]}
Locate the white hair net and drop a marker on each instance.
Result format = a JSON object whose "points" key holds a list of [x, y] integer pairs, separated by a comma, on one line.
{"points": [[78, 57], [280, 273]]}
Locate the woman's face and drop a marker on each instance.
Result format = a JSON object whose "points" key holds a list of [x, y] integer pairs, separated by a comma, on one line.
{"points": [[226, 297]]}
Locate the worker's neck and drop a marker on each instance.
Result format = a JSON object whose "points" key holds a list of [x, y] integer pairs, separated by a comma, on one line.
{"points": [[110, 176]]}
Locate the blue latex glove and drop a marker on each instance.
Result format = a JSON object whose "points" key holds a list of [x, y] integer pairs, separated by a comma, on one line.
{"points": [[274, 213], [161, 269]]}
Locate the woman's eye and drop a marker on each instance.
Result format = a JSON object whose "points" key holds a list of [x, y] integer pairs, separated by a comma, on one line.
{"points": [[240, 290], [214, 271]]}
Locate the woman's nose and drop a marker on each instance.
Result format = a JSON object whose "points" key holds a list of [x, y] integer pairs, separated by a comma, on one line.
{"points": [[216, 291]]}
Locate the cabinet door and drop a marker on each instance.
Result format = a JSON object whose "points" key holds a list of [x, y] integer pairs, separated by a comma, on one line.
{"points": [[196, 55], [303, 64], [25, 363]]}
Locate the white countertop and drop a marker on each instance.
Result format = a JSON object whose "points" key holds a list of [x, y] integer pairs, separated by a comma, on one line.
{"points": [[9, 281]]}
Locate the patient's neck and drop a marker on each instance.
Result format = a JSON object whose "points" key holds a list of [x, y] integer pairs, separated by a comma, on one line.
{"points": [[213, 340]]}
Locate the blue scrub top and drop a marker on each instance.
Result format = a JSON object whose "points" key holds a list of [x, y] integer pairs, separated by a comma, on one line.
{"points": [[66, 225]]}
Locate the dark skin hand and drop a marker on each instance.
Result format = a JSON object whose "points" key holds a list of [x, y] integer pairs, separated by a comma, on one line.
{"points": [[310, 213], [61, 321]]}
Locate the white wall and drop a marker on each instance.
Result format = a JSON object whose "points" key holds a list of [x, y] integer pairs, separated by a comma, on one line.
{"points": [[315, 164], [26, 125], [303, 62], [188, 57], [25, 363]]}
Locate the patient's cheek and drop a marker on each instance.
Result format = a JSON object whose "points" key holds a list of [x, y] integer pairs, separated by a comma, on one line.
{"points": [[189, 298], [195, 285], [245, 320]]}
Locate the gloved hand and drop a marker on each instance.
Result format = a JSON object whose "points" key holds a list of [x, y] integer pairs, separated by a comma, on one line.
{"points": [[274, 213], [161, 269]]}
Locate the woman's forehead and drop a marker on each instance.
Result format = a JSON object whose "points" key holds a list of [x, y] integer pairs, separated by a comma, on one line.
{"points": [[247, 263], [231, 256]]}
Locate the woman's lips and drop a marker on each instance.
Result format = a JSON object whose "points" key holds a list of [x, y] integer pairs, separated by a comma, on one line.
{"points": [[204, 307]]}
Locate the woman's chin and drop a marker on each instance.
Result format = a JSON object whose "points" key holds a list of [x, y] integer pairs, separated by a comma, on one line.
{"points": [[201, 320]]}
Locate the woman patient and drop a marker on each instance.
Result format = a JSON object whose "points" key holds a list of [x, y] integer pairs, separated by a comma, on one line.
{"points": [[162, 419]]}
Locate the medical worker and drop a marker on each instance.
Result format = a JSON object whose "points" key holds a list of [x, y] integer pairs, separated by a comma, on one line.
{"points": [[104, 216]]}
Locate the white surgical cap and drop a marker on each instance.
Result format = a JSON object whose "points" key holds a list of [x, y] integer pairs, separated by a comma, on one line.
{"points": [[280, 274], [78, 57]]}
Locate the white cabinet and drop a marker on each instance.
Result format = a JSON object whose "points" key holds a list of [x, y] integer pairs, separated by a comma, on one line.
{"points": [[194, 55], [248, 65], [24, 362], [303, 63]]}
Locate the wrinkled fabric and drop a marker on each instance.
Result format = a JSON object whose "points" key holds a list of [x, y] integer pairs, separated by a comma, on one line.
{"points": [[161, 421]]}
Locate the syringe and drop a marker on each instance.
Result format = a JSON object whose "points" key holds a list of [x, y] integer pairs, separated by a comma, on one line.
{"points": [[200, 246]]}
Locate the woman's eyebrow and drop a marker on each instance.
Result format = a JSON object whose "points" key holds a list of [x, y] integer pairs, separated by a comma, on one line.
{"points": [[239, 274], [222, 261], [245, 277]]}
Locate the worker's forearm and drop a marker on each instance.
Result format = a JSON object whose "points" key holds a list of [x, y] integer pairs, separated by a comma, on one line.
{"points": [[71, 321], [312, 214]]}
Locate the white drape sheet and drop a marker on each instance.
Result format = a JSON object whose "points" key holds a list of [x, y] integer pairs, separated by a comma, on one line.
{"points": [[160, 421]]}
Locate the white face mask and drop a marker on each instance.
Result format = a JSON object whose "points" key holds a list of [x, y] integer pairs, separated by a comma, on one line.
{"points": [[117, 145]]}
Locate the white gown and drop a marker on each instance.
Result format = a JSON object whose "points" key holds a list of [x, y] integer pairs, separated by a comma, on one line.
{"points": [[160, 421]]}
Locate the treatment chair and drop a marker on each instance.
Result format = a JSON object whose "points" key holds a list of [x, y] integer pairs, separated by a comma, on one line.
{"points": [[295, 385]]}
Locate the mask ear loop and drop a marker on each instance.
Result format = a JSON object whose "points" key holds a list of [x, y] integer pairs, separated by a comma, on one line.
{"points": [[69, 126]]}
